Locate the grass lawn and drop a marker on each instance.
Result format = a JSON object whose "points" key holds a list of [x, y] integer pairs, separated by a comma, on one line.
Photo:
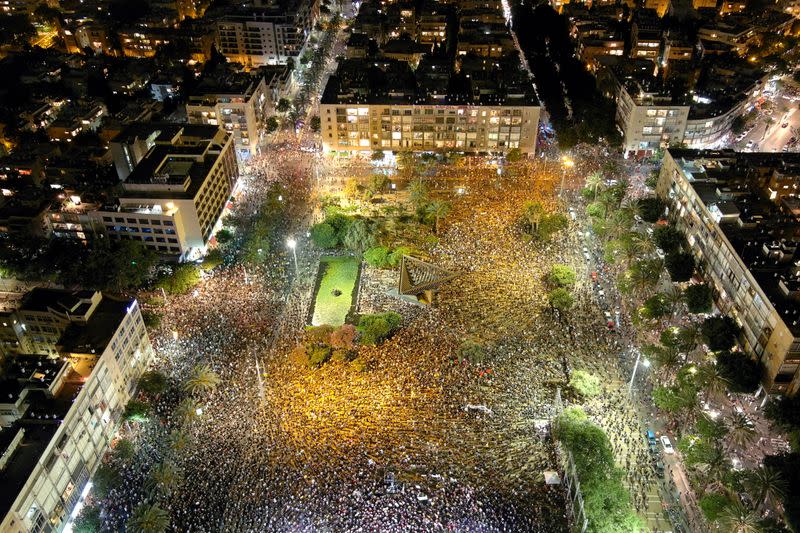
{"points": [[339, 275]]}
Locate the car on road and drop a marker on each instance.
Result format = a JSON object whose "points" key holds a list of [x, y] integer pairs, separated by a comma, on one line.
{"points": [[651, 437], [665, 442]]}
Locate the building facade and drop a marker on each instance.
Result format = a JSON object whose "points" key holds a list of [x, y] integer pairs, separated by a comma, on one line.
{"points": [[468, 128], [43, 486], [746, 248]]}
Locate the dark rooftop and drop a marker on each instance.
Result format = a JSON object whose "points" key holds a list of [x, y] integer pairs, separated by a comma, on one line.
{"points": [[93, 336]]}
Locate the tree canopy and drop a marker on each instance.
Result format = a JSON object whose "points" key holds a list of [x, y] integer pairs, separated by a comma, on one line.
{"points": [[719, 332], [698, 298]]}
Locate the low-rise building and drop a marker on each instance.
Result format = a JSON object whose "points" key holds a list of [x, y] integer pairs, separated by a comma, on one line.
{"points": [[740, 215]]}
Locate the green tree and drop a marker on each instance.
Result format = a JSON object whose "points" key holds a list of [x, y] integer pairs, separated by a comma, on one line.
{"points": [[719, 332], [376, 328], [106, 477], [651, 208], [698, 298], [418, 192], [741, 431], [377, 155], [123, 451], [562, 276], [680, 266], [655, 307], [136, 411], [283, 105], [397, 255], [178, 440], [514, 155], [561, 299], [188, 409], [358, 237], [315, 123], [181, 280], [88, 520], [741, 371], [202, 379], [153, 383], [668, 238], [323, 235], [212, 260], [272, 124], [148, 519], [738, 518], [676, 400], [585, 384], [766, 484], [595, 182], [713, 505]]}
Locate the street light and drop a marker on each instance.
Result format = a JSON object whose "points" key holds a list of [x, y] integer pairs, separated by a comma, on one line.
{"points": [[292, 244], [566, 163]]}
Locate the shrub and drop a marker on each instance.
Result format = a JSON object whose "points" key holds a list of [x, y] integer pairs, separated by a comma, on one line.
{"points": [[136, 411], [323, 235], [318, 355], [398, 253], [88, 520], [344, 337], [151, 319], [698, 298], [339, 222], [224, 235], [471, 352], [212, 260], [655, 307], [376, 328], [153, 382], [596, 210], [377, 257]]}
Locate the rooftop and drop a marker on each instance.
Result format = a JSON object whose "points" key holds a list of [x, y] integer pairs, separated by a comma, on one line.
{"points": [[93, 336]]}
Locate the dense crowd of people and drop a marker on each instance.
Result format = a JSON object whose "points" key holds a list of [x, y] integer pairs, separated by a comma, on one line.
{"points": [[417, 441]]}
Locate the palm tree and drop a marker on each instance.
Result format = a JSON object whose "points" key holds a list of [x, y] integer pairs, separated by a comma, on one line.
{"points": [[741, 432], [202, 379], [178, 439], [641, 244], [188, 409], [738, 518], [164, 479], [418, 192], [594, 182], [713, 382], [666, 358], [438, 209], [766, 484], [148, 519], [674, 297]]}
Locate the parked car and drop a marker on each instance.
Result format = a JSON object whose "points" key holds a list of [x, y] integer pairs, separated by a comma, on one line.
{"points": [[665, 442], [651, 437]]}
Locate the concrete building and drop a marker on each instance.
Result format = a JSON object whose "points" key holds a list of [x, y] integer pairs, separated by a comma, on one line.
{"points": [[176, 193], [357, 114], [257, 36], [741, 215], [238, 103], [66, 412]]}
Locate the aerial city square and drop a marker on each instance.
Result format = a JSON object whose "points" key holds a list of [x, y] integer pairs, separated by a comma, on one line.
{"points": [[400, 266]]}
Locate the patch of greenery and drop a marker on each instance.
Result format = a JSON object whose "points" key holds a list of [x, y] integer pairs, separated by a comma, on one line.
{"points": [[334, 297]]}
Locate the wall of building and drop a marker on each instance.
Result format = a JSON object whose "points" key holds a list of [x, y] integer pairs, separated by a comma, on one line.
{"points": [[429, 127], [75, 451], [764, 334]]}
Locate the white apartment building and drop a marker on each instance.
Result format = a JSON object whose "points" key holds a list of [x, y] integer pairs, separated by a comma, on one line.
{"points": [[745, 247], [50, 456], [238, 103], [176, 194], [468, 128]]}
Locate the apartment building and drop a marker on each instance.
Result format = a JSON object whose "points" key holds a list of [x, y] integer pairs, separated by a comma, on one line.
{"points": [[175, 195], [741, 215], [256, 36], [236, 102], [356, 115], [65, 413]]}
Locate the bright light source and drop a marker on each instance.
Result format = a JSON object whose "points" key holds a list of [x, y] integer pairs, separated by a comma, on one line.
{"points": [[174, 335], [291, 243], [199, 411], [645, 363]]}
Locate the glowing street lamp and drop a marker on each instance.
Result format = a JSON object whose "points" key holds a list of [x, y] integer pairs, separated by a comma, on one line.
{"points": [[645, 363], [292, 244]]}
